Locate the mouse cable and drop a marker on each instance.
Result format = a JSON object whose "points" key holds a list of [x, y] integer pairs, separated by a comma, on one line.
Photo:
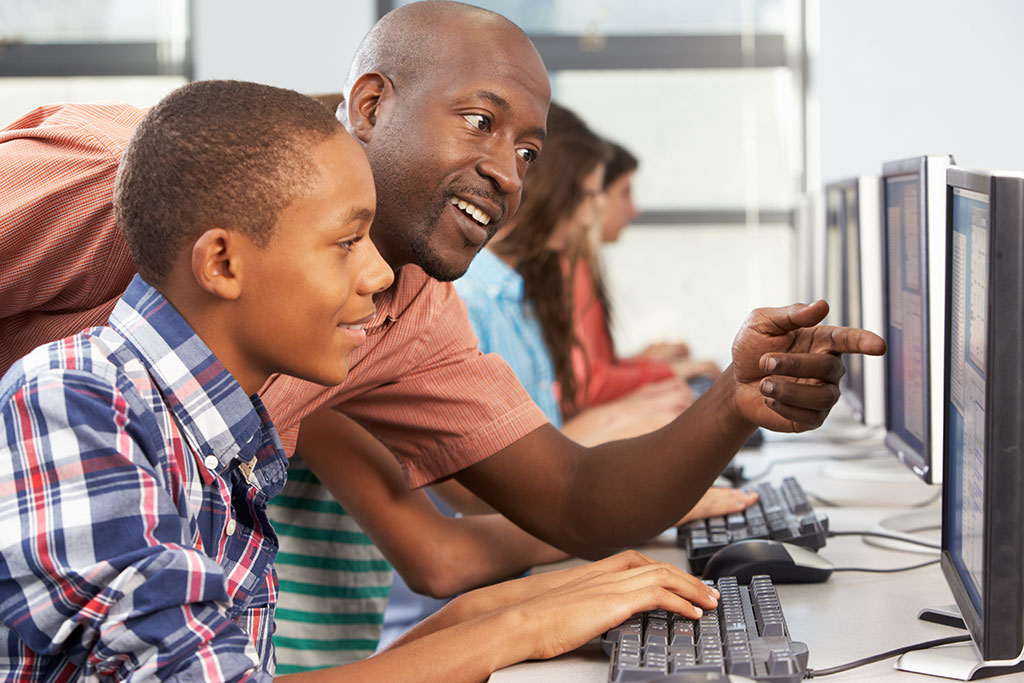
{"points": [[886, 571], [927, 645], [914, 541]]}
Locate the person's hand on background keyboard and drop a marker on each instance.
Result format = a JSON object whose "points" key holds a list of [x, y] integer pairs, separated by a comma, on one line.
{"points": [[787, 367], [561, 610], [719, 501]]}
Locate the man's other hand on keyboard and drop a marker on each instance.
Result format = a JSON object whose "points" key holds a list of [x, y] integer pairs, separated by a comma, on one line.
{"points": [[787, 367]]}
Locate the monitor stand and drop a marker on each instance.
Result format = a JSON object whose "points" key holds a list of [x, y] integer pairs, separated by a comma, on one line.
{"points": [[878, 466], [960, 661], [907, 525]]}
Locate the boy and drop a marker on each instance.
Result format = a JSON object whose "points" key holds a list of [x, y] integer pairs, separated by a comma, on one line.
{"points": [[137, 460]]}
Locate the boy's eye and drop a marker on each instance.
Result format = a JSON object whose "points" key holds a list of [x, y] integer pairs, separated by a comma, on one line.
{"points": [[528, 155], [479, 121], [348, 244]]}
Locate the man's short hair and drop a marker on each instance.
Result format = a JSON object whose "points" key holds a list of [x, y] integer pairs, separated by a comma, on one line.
{"points": [[227, 154]]}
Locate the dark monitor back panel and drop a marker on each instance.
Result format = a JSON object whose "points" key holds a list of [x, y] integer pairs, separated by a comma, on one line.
{"points": [[983, 394]]}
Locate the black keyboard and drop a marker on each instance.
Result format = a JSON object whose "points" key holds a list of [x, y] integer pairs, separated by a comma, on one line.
{"points": [[782, 513], [745, 635]]}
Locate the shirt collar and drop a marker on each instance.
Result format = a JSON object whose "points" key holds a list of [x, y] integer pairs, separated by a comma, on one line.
{"points": [[209, 405], [501, 279]]}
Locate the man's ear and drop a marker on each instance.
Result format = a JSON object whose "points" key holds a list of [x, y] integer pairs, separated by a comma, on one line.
{"points": [[217, 260], [368, 96]]}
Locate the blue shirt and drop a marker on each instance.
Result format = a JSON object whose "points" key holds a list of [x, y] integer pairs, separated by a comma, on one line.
{"points": [[507, 325], [134, 478]]}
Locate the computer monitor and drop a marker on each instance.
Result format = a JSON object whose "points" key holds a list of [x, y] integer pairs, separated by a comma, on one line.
{"points": [[914, 223], [833, 250], [983, 397], [854, 275]]}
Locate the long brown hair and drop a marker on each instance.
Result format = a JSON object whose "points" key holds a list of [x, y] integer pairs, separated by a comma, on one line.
{"points": [[621, 162], [552, 191]]}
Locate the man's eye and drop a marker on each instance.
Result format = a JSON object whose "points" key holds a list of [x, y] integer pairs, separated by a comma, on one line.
{"points": [[479, 121], [528, 155]]}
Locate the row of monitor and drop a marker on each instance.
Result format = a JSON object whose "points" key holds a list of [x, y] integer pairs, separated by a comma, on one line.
{"points": [[932, 255]]}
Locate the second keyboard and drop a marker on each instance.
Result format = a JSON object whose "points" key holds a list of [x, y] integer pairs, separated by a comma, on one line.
{"points": [[782, 513]]}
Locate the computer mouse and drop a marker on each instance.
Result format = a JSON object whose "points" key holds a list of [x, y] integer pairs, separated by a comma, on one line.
{"points": [[783, 562]]}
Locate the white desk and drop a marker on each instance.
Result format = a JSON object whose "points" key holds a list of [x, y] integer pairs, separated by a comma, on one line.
{"points": [[852, 615]]}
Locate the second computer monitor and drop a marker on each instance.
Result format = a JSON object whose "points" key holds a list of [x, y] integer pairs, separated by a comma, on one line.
{"points": [[914, 225]]}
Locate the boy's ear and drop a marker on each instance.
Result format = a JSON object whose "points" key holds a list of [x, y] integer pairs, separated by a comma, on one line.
{"points": [[217, 262], [366, 99]]}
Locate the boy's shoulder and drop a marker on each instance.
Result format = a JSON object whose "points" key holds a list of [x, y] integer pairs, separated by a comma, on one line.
{"points": [[95, 357]]}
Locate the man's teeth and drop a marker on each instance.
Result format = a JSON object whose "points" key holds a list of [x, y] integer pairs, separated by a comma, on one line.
{"points": [[480, 217]]}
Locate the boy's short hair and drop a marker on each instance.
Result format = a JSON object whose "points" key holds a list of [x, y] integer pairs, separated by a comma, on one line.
{"points": [[228, 154]]}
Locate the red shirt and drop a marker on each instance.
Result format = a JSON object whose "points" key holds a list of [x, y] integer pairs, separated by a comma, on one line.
{"points": [[419, 383], [600, 375]]}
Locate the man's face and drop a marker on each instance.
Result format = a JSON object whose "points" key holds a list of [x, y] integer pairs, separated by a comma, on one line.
{"points": [[450, 155], [309, 291], [619, 209]]}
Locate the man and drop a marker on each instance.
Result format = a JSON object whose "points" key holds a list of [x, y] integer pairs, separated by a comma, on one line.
{"points": [[449, 133]]}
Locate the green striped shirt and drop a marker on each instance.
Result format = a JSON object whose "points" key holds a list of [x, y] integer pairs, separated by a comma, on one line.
{"points": [[334, 582]]}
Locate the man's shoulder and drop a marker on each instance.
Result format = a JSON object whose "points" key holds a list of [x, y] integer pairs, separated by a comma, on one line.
{"points": [[107, 126]]}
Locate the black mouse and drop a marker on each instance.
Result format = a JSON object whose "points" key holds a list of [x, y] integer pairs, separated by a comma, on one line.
{"points": [[783, 562]]}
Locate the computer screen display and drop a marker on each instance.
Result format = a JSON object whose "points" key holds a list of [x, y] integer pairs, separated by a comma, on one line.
{"points": [[983, 396], [851, 303], [906, 305], [834, 218], [968, 353], [913, 214]]}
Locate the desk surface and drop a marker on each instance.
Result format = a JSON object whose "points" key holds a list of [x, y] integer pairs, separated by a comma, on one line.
{"points": [[852, 615]]}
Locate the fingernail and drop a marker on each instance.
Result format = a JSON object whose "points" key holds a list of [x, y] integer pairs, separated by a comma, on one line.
{"points": [[700, 612], [767, 387], [771, 364]]}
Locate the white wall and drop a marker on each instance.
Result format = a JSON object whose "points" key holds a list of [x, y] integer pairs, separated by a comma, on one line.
{"points": [[900, 78], [306, 45]]}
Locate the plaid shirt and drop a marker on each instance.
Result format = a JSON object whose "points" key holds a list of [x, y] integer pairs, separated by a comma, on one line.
{"points": [[134, 478]]}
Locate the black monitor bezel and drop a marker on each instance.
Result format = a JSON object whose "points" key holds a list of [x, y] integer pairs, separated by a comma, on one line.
{"points": [[999, 631], [920, 463]]}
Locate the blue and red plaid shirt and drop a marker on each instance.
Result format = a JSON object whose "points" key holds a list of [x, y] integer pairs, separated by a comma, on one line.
{"points": [[134, 479]]}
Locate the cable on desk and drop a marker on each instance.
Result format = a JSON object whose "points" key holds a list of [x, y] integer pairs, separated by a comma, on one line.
{"points": [[914, 541], [928, 644], [871, 570]]}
